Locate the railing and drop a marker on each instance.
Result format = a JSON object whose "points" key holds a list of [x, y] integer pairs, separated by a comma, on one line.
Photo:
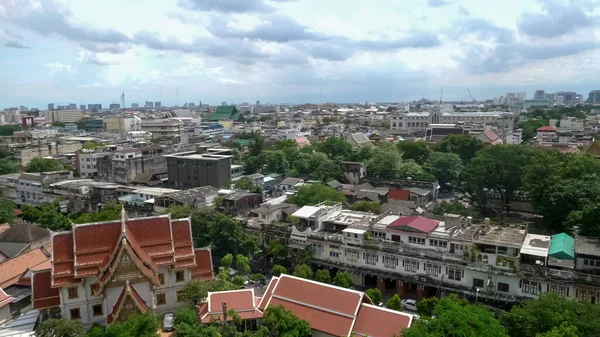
{"points": [[560, 274], [587, 278]]}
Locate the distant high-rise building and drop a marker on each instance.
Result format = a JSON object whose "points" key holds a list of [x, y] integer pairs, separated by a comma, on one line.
{"points": [[192, 105], [51, 106], [567, 96], [114, 106], [149, 104], [157, 105], [82, 107], [94, 106], [594, 97], [23, 108], [72, 106], [61, 107], [539, 94], [521, 96], [135, 105], [224, 103]]}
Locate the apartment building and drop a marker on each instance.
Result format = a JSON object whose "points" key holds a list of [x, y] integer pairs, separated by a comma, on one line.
{"points": [[163, 127], [83, 195], [86, 162], [426, 257], [103, 272], [192, 169], [122, 166], [30, 187], [122, 125], [63, 115], [25, 153]]}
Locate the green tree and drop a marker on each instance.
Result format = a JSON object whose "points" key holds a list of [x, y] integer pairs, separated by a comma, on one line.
{"points": [[8, 130], [303, 256], [446, 167], [227, 261], [60, 327], [144, 325], [426, 306], [179, 211], [8, 166], [31, 213], [52, 219], [336, 147], [394, 303], [304, 271], [322, 275], [44, 165], [451, 207], [7, 211], [252, 165], [465, 146], [186, 315], [384, 163], [410, 169], [275, 161], [533, 317], [415, 150], [110, 211], [278, 270], [242, 264], [246, 184], [564, 330], [314, 194], [367, 206], [317, 166], [196, 291], [453, 318], [257, 144], [280, 322], [496, 169], [343, 279], [375, 295], [530, 127], [257, 277]]}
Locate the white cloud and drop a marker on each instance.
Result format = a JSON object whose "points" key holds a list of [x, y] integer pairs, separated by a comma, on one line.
{"points": [[59, 68]]}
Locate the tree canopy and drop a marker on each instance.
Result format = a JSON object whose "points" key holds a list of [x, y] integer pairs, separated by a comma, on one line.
{"points": [[465, 146], [44, 165], [8, 166], [415, 150], [394, 303], [375, 295], [314, 194], [303, 271], [7, 211], [60, 327], [367, 206], [322, 275], [343, 279]]}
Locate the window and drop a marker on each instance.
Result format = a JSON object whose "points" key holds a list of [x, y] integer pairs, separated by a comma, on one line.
{"points": [[561, 291], [418, 241], [502, 250], [432, 269], [179, 298], [352, 254], [371, 258], [75, 314], [503, 287], [161, 278], [334, 253], [411, 266], [585, 262], [179, 276], [97, 310], [477, 283], [390, 261], [317, 249], [379, 235], [161, 299], [454, 274], [438, 243], [530, 287], [73, 293]]}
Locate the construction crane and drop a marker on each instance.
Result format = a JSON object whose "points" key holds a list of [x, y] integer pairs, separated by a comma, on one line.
{"points": [[472, 98]]}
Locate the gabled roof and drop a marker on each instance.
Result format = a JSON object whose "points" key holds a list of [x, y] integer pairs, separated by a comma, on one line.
{"points": [[291, 181], [13, 269], [127, 292], [242, 301], [418, 223], [302, 141], [562, 246], [43, 296], [489, 137], [91, 248], [225, 112], [373, 321], [593, 149], [546, 128], [204, 267], [334, 184]]}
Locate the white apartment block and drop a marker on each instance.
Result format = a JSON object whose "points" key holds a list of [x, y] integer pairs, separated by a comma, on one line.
{"points": [[421, 121]]}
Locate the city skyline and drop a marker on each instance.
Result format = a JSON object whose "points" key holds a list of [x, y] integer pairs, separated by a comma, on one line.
{"points": [[292, 51]]}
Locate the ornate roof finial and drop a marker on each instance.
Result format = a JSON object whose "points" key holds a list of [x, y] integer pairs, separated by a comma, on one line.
{"points": [[123, 218]]}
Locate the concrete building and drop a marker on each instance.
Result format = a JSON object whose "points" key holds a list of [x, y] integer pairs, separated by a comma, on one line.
{"points": [[114, 106], [50, 106], [191, 169], [539, 94], [63, 116], [122, 166], [30, 187], [130, 269], [83, 195], [354, 171], [421, 121], [528, 103], [594, 97], [163, 127], [86, 162], [122, 125], [24, 153]]}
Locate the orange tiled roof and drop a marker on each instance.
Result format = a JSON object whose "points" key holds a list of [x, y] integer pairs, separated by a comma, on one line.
{"points": [[4, 227], [242, 301], [13, 269], [204, 268], [374, 321]]}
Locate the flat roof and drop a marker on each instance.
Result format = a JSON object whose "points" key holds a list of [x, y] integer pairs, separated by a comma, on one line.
{"points": [[586, 245], [536, 245], [354, 231], [306, 212]]}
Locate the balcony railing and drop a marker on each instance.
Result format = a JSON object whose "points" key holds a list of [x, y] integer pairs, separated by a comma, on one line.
{"points": [[560, 274]]}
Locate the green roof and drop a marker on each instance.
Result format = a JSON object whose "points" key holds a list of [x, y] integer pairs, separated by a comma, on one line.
{"points": [[562, 246], [243, 142], [224, 112]]}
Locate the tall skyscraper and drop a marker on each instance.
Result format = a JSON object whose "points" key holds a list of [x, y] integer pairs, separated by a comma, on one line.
{"points": [[72, 106], [135, 105], [157, 105], [82, 107], [539, 94], [594, 97], [50, 106]]}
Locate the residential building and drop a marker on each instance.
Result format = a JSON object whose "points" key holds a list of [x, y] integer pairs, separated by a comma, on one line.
{"points": [[354, 171], [359, 139], [24, 153], [546, 134], [163, 127], [489, 137], [211, 130], [30, 188], [21, 238], [83, 195], [122, 166], [63, 115], [140, 202], [122, 125], [514, 138], [191, 169], [289, 185], [268, 213], [85, 162], [193, 197], [239, 203], [226, 112], [131, 265]]}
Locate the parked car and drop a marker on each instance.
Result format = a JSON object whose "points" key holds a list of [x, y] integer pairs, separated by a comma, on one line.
{"points": [[409, 305], [168, 322]]}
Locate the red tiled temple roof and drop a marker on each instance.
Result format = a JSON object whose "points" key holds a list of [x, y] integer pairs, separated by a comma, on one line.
{"points": [[128, 291], [43, 295], [204, 268]]}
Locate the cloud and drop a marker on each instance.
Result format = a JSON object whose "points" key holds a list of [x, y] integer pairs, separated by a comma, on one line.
{"points": [[555, 20], [15, 44], [438, 3], [59, 68], [227, 6]]}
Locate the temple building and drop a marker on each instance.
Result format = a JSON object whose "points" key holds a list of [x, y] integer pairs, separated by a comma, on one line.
{"points": [[103, 272]]}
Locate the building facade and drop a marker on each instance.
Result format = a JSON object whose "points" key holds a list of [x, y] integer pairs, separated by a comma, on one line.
{"points": [[191, 169], [421, 121], [163, 127], [63, 115], [123, 165], [103, 272]]}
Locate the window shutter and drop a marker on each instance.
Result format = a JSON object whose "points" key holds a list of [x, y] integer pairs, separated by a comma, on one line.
{"points": [[446, 270], [440, 269], [418, 263]]}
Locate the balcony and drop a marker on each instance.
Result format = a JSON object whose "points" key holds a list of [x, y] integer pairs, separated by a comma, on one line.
{"points": [[562, 274]]}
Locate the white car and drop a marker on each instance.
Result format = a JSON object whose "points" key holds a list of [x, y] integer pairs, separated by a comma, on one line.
{"points": [[409, 305]]}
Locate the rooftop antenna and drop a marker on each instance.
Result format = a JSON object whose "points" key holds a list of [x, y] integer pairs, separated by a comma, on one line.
{"points": [[123, 100], [177, 93], [441, 95], [160, 93]]}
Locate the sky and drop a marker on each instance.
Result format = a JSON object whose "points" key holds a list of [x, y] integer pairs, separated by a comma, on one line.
{"points": [[293, 51]]}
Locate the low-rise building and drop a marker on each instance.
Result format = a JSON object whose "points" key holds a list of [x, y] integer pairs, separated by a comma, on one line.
{"points": [[191, 169], [354, 171], [122, 166], [194, 197], [104, 272], [164, 128], [546, 134], [31, 186]]}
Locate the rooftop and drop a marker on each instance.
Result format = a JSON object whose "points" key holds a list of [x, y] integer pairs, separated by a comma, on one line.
{"points": [[498, 235], [417, 223], [536, 245], [586, 245], [306, 212], [191, 194]]}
